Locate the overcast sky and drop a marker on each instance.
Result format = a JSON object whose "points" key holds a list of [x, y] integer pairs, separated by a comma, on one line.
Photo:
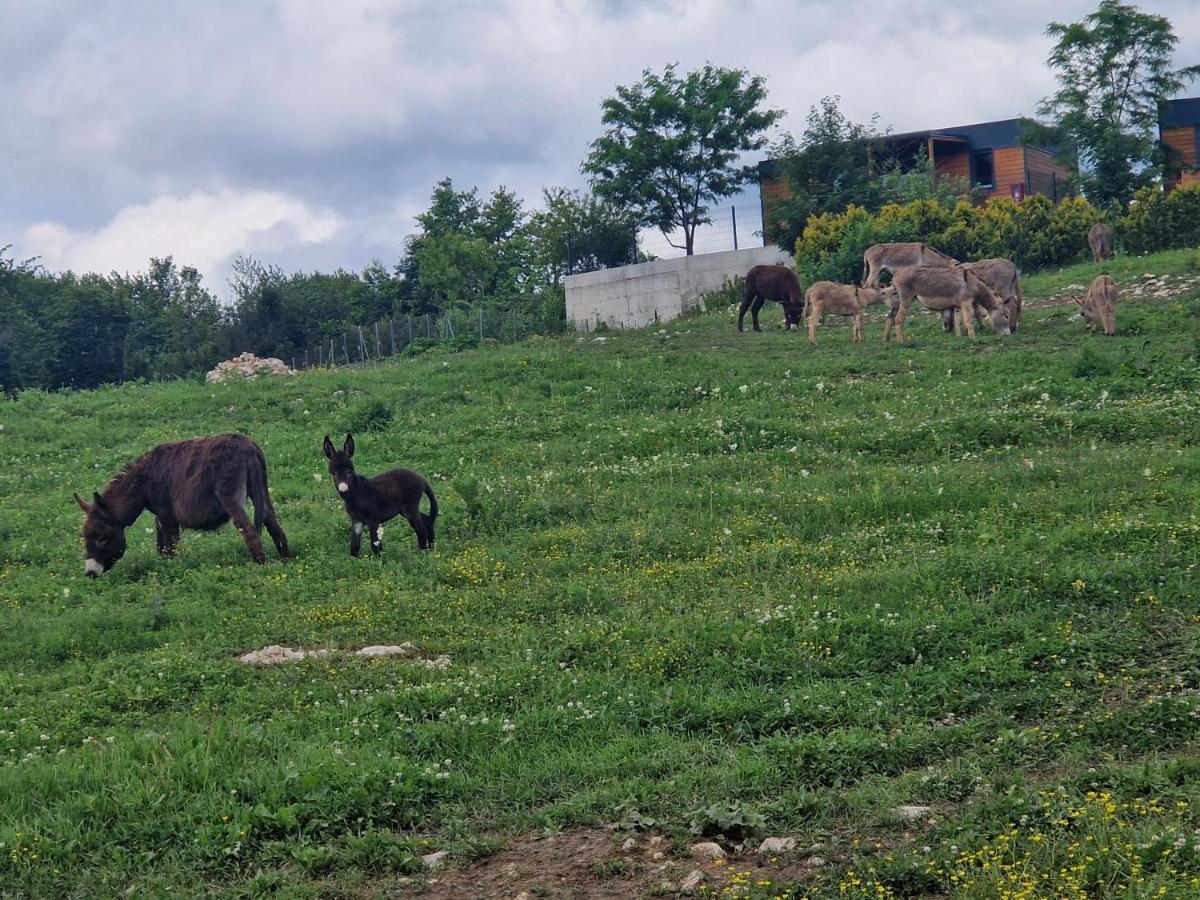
{"points": [[310, 132]]}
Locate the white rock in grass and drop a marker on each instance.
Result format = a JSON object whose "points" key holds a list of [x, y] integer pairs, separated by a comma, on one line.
{"points": [[272, 656], [434, 861], [777, 845], [912, 813], [441, 662], [380, 650], [707, 850]]}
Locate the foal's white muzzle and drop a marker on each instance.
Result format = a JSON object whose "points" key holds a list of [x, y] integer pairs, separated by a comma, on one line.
{"points": [[342, 487], [92, 568]]}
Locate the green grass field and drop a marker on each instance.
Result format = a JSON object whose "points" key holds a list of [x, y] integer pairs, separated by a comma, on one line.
{"points": [[688, 579]]}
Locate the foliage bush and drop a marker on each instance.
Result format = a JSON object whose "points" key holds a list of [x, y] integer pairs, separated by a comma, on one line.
{"points": [[1158, 221], [1034, 233]]}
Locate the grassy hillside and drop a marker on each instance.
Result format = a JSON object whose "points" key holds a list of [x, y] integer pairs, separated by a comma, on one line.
{"points": [[686, 578]]}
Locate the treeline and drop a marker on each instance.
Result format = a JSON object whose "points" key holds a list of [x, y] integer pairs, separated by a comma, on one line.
{"points": [[489, 256]]}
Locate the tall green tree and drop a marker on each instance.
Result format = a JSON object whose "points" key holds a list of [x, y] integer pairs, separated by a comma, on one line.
{"points": [[577, 232], [671, 145], [1114, 70], [467, 253], [835, 163]]}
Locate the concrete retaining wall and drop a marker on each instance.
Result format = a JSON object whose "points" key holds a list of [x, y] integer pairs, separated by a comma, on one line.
{"points": [[658, 291]]}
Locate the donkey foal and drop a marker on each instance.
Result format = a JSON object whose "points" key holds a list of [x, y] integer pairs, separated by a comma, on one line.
{"points": [[372, 501]]}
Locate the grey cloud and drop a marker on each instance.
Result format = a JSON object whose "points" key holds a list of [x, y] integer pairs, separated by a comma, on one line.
{"points": [[358, 107]]}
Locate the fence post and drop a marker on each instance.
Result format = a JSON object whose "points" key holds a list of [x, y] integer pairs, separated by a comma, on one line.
{"points": [[481, 323], [345, 348], [392, 331], [428, 326], [733, 212], [378, 348]]}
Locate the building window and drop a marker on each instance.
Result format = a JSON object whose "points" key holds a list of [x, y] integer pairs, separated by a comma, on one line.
{"points": [[983, 170]]}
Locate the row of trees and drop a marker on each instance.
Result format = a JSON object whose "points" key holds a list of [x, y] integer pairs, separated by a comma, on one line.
{"points": [[487, 255]]}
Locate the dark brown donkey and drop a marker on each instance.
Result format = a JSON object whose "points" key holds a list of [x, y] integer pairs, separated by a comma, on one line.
{"points": [[199, 483], [372, 501], [778, 283]]}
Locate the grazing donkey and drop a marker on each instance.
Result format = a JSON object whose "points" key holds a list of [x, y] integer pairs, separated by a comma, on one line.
{"points": [[1100, 240], [1003, 277], [843, 300], [372, 501], [1100, 305], [944, 287], [778, 283], [880, 258], [199, 483]]}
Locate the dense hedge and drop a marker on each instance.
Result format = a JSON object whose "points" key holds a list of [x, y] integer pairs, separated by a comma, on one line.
{"points": [[1158, 221], [1034, 233]]}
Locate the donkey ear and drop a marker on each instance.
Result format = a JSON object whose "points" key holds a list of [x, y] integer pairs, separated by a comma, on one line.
{"points": [[348, 448], [100, 506], [328, 446], [83, 504]]}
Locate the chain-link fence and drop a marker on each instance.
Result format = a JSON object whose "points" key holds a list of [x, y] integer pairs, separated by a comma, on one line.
{"points": [[392, 337]]}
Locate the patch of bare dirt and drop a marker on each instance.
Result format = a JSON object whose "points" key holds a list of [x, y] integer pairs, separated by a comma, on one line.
{"points": [[598, 864]]}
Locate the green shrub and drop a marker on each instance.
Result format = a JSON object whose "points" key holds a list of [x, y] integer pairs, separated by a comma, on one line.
{"points": [[1035, 233], [1158, 221], [368, 414]]}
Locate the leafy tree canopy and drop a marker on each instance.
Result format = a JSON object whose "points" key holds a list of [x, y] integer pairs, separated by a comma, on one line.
{"points": [[671, 145], [1114, 70]]}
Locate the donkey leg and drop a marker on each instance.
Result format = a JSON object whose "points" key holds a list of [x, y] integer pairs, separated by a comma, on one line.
{"points": [[742, 310], [758, 304], [274, 529], [167, 534], [968, 314], [429, 524], [241, 521], [417, 521], [356, 530], [376, 538]]}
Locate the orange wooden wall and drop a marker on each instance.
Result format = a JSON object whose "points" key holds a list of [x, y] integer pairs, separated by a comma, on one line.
{"points": [[1183, 140]]}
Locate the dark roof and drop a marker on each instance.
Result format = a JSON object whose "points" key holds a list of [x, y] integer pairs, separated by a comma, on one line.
{"points": [[1180, 113], [981, 136]]}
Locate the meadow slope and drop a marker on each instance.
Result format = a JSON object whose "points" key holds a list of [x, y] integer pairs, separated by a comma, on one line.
{"points": [[689, 581]]}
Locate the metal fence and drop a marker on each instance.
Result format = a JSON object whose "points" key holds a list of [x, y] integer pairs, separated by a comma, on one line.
{"points": [[388, 338]]}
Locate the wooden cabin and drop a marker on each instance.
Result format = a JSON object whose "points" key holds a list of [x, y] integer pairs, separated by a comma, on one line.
{"points": [[988, 155], [1179, 129]]}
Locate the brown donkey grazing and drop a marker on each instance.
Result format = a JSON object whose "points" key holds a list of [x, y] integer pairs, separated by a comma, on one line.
{"points": [[372, 501], [778, 283], [1100, 241], [199, 483], [1099, 307]]}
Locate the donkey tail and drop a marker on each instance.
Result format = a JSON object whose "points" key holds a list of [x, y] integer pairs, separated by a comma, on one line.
{"points": [[433, 507]]}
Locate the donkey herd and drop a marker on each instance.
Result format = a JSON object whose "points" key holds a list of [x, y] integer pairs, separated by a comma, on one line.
{"points": [[202, 483], [986, 291]]}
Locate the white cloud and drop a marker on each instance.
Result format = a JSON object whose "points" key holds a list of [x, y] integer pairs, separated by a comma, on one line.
{"points": [[205, 230], [353, 110]]}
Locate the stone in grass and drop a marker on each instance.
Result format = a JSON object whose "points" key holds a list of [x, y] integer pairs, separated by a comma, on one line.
{"points": [[691, 882], [777, 845], [911, 813], [434, 861], [706, 850], [629, 845], [380, 650], [277, 654]]}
